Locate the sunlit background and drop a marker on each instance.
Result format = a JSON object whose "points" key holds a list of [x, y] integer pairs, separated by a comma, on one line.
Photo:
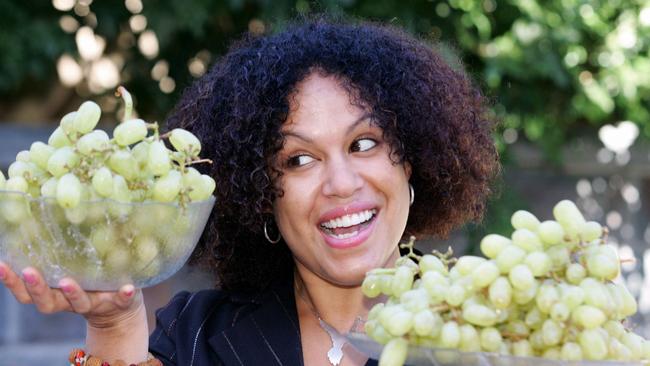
{"points": [[569, 80]]}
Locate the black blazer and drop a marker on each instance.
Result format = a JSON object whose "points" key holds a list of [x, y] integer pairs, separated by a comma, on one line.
{"points": [[212, 327]]}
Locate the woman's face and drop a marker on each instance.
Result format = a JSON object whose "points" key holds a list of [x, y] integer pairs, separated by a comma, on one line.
{"points": [[345, 203]]}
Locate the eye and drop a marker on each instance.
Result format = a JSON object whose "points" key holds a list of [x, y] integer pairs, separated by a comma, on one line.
{"points": [[364, 144], [299, 160]]}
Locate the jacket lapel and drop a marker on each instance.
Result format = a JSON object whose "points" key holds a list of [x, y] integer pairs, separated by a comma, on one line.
{"points": [[269, 332]]}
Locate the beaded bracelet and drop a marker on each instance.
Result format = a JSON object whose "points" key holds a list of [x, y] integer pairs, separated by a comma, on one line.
{"points": [[78, 357]]}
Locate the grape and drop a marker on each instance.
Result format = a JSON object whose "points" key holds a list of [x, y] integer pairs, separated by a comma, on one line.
{"points": [[159, 161], [479, 315], [415, 300], [469, 339], [634, 343], [560, 312], [58, 139], [550, 232], [40, 153], [23, 156], [67, 124], [146, 249], [575, 273], [551, 332], [141, 153], [509, 257], [48, 189], [618, 351], [572, 296], [203, 188], [521, 277], [484, 274], [590, 231], [466, 264], [589, 317], [456, 294], [370, 286], [492, 244], [394, 353], [17, 169], [491, 339], [117, 259], [103, 182], [185, 142], [523, 297], [571, 351], [86, 117], [17, 184], [423, 322], [450, 335], [431, 263], [546, 297], [62, 161], [123, 163], [527, 240], [102, 238], [568, 215], [500, 293], [166, 188], [68, 191], [522, 348], [400, 323], [602, 262], [559, 255], [539, 263], [92, 142], [524, 220], [129, 132]]}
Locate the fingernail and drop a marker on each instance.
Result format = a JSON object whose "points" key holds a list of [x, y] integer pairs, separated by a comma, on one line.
{"points": [[129, 292], [29, 278], [67, 289]]}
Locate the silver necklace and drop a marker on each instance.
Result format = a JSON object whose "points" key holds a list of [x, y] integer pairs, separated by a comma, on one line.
{"points": [[335, 353]]}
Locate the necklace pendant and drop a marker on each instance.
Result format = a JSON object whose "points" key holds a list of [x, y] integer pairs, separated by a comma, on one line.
{"points": [[335, 354]]}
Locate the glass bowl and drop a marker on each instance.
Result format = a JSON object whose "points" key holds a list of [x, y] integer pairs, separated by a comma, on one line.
{"points": [[424, 356], [102, 244]]}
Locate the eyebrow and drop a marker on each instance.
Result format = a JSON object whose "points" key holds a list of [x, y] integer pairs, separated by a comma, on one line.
{"points": [[350, 129]]}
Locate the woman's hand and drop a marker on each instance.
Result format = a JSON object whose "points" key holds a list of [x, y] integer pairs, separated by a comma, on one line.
{"points": [[101, 309]]}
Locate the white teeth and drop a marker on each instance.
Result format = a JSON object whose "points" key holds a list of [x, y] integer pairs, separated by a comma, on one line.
{"points": [[349, 220], [345, 236]]}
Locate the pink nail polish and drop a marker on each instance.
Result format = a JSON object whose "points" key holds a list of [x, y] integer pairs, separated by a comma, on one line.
{"points": [[29, 278], [67, 289], [128, 292]]}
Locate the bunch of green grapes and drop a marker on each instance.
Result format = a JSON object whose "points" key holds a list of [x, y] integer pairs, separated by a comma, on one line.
{"points": [[80, 163], [548, 290], [93, 181]]}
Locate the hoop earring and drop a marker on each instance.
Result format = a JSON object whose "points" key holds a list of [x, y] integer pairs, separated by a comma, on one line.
{"points": [[266, 235], [411, 195]]}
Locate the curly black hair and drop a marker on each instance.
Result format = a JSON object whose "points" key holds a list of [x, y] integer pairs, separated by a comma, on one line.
{"points": [[430, 113]]}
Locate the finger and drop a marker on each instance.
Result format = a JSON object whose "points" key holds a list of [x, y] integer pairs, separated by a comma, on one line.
{"points": [[12, 282], [47, 300], [76, 296], [125, 296]]}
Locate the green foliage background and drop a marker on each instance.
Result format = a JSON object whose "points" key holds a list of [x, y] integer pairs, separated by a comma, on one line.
{"points": [[555, 69]]}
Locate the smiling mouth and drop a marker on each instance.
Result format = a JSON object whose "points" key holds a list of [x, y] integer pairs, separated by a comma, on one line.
{"points": [[348, 226]]}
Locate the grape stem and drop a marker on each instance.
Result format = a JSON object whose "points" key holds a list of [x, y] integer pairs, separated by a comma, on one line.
{"points": [[128, 101], [199, 161], [410, 245]]}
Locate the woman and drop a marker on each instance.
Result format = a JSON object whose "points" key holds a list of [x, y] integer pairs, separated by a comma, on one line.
{"points": [[331, 142]]}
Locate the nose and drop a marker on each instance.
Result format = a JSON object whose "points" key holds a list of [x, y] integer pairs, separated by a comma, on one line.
{"points": [[342, 178]]}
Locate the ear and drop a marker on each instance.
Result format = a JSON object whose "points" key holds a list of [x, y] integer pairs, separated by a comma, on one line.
{"points": [[407, 170]]}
